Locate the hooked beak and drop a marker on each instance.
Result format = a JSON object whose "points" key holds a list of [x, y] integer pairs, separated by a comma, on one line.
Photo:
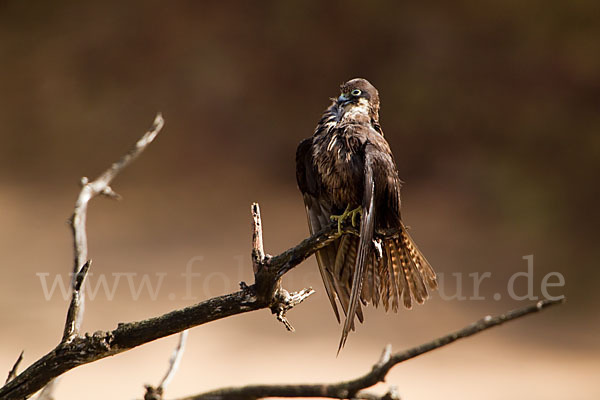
{"points": [[343, 100]]}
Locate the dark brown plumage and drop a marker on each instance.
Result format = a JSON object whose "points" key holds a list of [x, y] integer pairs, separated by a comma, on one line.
{"points": [[347, 164]]}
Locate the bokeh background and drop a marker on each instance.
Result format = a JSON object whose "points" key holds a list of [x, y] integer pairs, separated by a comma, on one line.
{"points": [[492, 110]]}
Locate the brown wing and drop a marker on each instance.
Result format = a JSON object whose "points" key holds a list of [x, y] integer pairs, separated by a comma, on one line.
{"points": [[333, 261], [365, 242], [317, 214], [403, 272]]}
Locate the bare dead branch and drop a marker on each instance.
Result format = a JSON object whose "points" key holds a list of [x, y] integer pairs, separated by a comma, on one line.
{"points": [[157, 393], [391, 394], [83, 350], [13, 371], [352, 388], [47, 393], [258, 251], [174, 360], [72, 323], [153, 393], [386, 354], [282, 300], [89, 190], [266, 292], [285, 301]]}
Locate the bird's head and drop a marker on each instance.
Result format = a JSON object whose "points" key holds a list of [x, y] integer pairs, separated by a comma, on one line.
{"points": [[358, 98]]}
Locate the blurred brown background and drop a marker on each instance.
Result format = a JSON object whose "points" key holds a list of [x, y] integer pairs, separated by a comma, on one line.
{"points": [[492, 110]]}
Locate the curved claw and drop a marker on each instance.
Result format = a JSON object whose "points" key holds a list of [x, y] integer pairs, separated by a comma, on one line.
{"points": [[347, 213], [355, 212]]}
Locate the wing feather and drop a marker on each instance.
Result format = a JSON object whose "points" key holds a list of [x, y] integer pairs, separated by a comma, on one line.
{"points": [[367, 225], [325, 255]]}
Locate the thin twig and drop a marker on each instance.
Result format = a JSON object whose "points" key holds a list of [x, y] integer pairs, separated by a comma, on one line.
{"points": [[391, 394], [13, 371], [47, 393], [72, 323], [285, 301], [174, 360], [352, 388], [84, 350], [265, 293], [130, 335], [157, 393], [281, 300], [89, 190], [258, 251], [386, 354]]}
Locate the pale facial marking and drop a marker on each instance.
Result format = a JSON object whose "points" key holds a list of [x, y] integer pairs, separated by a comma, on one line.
{"points": [[357, 111]]}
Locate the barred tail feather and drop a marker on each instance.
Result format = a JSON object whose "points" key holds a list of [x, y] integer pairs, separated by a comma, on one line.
{"points": [[384, 279], [393, 283], [405, 276], [425, 270], [405, 280]]}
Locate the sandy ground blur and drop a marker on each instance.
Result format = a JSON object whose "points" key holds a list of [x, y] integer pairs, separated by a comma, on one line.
{"points": [[553, 355]]}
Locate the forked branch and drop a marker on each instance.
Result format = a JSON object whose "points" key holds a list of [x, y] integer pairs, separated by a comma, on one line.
{"points": [[266, 293], [76, 350], [81, 264], [89, 190], [354, 387]]}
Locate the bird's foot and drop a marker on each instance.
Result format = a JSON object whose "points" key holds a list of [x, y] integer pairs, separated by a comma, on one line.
{"points": [[356, 213], [347, 213]]}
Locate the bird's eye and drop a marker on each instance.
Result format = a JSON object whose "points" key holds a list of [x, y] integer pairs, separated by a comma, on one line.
{"points": [[356, 92]]}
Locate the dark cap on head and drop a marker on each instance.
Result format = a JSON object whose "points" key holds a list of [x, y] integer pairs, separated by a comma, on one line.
{"points": [[358, 88]]}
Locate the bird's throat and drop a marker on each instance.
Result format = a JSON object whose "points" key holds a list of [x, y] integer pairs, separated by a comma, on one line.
{"points": [[359, 112]]}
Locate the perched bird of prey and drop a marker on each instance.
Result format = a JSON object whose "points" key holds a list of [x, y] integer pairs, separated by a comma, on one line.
{"points": [[346, 170]]}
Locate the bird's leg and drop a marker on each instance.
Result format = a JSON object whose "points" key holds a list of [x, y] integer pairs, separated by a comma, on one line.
{"points": [[347, 213], [340, 218], [354, 213]]}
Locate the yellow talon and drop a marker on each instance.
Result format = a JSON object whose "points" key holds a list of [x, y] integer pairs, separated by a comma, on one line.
{"points": [[355, 212], [347, 213]]}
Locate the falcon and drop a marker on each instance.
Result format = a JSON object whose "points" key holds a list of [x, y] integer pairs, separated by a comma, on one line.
{"points": [[347, 173]]}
